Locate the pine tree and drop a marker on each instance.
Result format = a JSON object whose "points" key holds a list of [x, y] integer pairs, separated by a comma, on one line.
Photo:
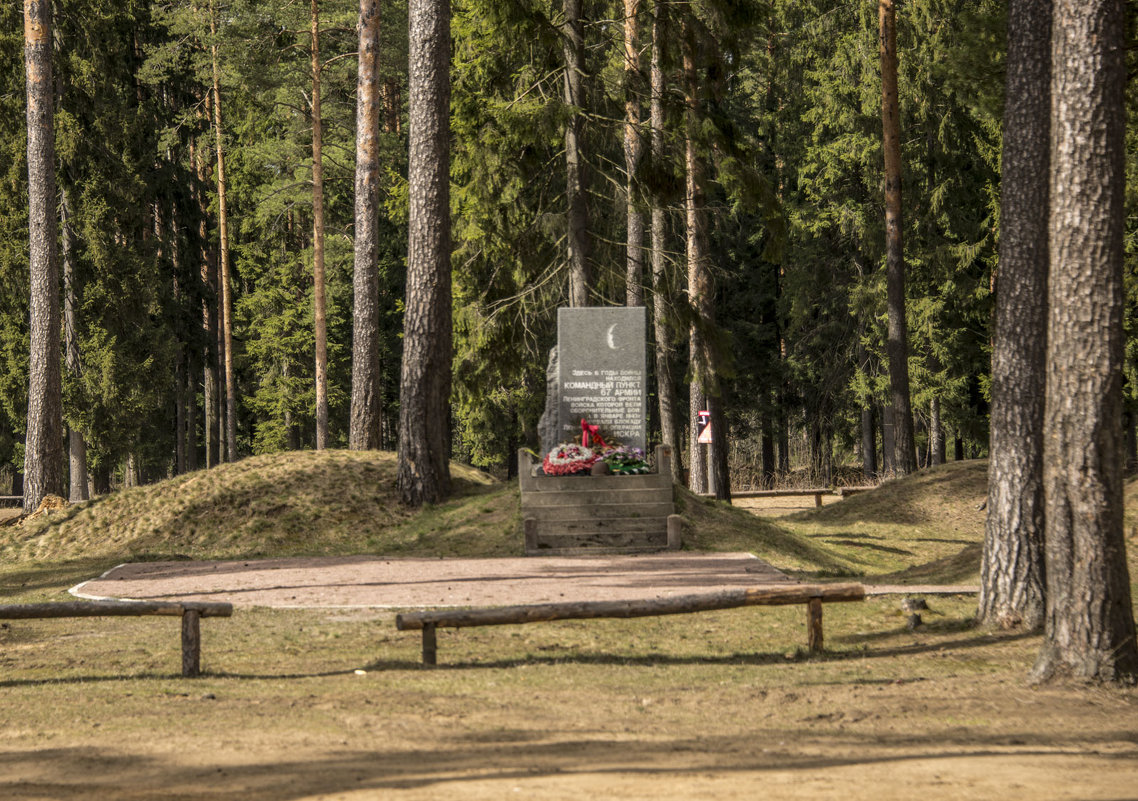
{"points": [[320, 320], [1089, 630], [1012, 570], [904, 452], [423, 465], [366, 386], [43, 460]]}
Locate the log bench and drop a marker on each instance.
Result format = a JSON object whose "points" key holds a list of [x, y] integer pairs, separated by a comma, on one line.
{"points": [[812, 595], [817, 493], [190, 611]]}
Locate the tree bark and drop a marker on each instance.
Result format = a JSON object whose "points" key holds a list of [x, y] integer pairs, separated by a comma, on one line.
{"points": [[1012, 570], [705, 388], [670, 430], [320, 320], [868, 444], [767, 451], [223, 248], [424, 432], [905, 456], [210, 380], [76, 444], [633, 148], [887, 444], [576, 179], [43, 454], [699, 278], [936, 433], [1089, 631], [364, 433]]}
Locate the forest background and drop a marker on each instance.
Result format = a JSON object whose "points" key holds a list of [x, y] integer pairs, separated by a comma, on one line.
{"points": [[790, 130]]}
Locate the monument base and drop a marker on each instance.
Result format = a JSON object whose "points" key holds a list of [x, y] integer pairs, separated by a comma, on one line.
{"points": [[599, 514]]}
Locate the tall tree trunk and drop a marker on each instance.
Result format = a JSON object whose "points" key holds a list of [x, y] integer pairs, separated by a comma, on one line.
{"points": [[1089, 630], [366, 387], [576, 180], [868, 418], [320, 320], [699, 278], [131, 477], [76, 444], [904, 442], [936, 433], [223, 248], [634, 247], [167, 237], [868, 443], [1012, 570], [705, 389], [670, 429], [191, 390], [888, 448], [782, 412], [424, 431], [210, 359], [769, 465], [392, 104], [43, 453]]}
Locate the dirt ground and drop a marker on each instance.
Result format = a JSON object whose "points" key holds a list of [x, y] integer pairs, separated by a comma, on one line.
{"points": [[367, 581], [317, 704], [777, 507], [538, 712]]}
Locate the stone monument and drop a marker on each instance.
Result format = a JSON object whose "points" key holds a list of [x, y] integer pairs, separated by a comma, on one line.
{"points": [[598, 373], [602, 373]]}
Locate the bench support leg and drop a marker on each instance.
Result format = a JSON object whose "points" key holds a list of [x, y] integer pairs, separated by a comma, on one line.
{"points": [[814, 624], [191, 643], [430, 645], [817, 499]]}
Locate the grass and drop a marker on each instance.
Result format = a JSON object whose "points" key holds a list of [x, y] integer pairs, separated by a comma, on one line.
{"points": [[926, 528], [307, 704]]}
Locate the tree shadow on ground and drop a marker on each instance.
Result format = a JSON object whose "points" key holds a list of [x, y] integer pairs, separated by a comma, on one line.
{"points": [[463, 759]]}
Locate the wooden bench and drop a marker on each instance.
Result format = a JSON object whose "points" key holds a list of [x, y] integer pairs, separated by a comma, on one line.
{"points": [[11, 500], [190, 612], [812, 595], [841, 492]]}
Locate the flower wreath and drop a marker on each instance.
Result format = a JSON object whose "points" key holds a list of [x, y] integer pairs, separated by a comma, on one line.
{"points": [[568, 459]]}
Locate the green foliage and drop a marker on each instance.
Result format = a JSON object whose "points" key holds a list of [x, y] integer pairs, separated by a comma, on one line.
{"points": [[788, 123]]}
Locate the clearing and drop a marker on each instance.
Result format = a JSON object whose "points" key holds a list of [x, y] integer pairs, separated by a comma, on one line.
{"points": [[333, 703]]}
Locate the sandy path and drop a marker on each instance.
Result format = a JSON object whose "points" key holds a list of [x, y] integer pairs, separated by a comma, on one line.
{"points": [[378, 582]]}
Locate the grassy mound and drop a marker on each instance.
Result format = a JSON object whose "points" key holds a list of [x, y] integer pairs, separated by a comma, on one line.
{"points": [[927, 527], [285, 504]]}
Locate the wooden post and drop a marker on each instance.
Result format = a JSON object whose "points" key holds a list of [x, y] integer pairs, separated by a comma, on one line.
{"points": [[430, 645], [664, 460], [817, 499], [191, 643], [529, 525], [814, 624], [675, 529]]}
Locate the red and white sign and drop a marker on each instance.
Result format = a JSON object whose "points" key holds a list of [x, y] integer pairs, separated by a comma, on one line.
{"points": [[704, 427]]}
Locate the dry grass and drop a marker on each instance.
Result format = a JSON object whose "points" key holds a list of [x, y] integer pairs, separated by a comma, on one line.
{"points": [[925, 528], [288, 504], [322, 704]]}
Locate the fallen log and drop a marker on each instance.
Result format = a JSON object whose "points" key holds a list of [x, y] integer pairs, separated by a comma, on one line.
{"points": [[813, 595]]}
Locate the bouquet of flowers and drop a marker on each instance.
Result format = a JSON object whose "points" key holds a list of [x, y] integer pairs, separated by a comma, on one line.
{"points": [[570, 458], [623, 461]]}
